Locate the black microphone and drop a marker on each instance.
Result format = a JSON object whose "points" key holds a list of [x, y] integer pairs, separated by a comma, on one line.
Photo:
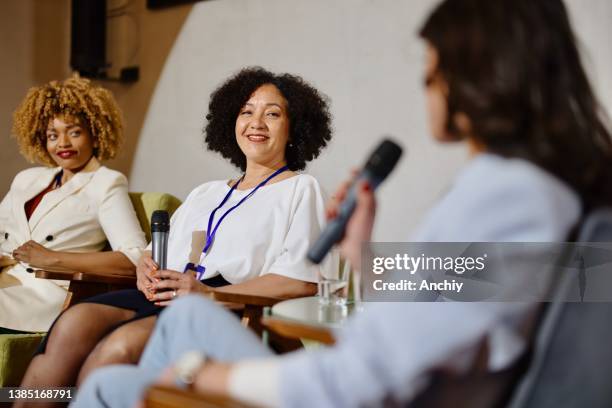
{"points": [[160, 227], [377, 168]]}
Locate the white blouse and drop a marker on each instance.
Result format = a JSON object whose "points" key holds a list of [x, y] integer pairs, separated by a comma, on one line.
{"points": [[270, 232]]}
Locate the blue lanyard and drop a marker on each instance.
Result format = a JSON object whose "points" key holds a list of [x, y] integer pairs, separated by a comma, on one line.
{"points": [[210, 234]]}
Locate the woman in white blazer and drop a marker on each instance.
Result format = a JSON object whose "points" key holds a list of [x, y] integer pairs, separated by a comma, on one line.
{"points": [[59, 217]]}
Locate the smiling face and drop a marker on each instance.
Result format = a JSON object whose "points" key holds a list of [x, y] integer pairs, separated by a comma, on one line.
{"points": [[262, 126], [69, 142]]}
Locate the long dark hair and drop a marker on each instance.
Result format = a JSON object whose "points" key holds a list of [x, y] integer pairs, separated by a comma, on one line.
{"points": [[513, 67]]}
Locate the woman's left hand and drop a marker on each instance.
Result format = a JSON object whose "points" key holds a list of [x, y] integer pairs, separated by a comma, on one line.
{"points": [[173, 284], [34, 254]]}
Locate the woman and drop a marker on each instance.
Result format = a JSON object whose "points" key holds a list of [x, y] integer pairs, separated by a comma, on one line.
{"points": [[540, 156], [248, 234], [60, 216]]}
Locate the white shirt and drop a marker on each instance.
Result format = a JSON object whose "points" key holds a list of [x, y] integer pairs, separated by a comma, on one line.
{"points": [[270, 232]]}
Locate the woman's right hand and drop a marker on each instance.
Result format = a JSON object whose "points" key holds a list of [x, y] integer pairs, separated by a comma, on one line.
{"points": [[359, 228], [144, 274]]}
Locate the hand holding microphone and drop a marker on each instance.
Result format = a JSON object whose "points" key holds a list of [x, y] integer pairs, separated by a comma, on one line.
{"points": [[379, 165], [166, 284], [360, 225], [151, 262]]}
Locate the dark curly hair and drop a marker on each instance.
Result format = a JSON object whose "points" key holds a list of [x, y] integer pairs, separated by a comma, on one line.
{"points": [[308, 111], [513, 67]]}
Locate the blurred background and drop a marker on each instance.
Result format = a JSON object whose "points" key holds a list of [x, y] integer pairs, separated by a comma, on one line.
{"points": [[162, 59]]}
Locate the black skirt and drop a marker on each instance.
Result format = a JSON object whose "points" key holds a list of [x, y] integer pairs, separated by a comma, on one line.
{"points": [[129, 299]]}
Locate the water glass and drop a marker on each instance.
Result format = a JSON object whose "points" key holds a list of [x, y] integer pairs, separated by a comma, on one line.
{"points": [[333, 285]]}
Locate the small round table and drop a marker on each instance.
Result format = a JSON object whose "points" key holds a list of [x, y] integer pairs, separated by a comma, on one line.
{"points": [[307, 318]]}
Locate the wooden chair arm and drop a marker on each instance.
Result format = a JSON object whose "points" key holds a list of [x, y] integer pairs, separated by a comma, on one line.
{"points": [[87, 277], [295, 330], [159, 396], [85, 285], [245, 299], [252, 310]]}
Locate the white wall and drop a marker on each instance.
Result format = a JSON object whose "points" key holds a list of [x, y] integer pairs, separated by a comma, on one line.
{"points": [[592, 22], [363, 54]]}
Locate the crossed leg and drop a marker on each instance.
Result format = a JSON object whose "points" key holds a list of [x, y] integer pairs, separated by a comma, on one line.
{"points": [[190, 323]]}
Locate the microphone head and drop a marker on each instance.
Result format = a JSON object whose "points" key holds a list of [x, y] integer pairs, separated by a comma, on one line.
{"points": [[383, 159], [160, 221]]}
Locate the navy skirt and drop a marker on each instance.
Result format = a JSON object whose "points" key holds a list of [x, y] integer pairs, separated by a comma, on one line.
{"points": [[129, 299]]}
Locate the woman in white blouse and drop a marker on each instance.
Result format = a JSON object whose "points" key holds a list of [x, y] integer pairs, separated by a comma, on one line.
{"points": [[59, 217], [251, 233]]}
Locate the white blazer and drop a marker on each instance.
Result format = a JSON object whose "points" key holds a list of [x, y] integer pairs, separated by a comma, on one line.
{"points": [[80, 216]]}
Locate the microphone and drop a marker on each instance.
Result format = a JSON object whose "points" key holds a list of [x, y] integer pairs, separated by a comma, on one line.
{"points": [[377, 168], [160, 227]]}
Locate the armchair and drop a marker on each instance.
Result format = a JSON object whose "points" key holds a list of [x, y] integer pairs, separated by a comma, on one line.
{"points": [[172, 397]]}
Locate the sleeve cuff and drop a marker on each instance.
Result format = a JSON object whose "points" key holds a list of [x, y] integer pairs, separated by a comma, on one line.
{"points": [[133, 254], [256, 382]]}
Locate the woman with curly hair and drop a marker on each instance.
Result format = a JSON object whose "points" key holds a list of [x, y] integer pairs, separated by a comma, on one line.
{"points": [[60, 216], [250, 234]]}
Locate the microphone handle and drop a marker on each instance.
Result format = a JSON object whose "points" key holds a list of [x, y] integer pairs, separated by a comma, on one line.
{"points": [[159, 244], [334, 230]]}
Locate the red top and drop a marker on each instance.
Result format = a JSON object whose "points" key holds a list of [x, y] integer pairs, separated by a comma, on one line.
{"points": [[31, 205]]}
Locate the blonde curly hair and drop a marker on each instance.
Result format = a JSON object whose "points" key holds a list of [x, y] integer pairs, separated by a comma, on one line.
{"points": [[74, 97]]}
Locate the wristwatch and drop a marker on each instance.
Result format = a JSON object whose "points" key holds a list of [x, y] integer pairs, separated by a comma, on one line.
{"points": [[187, 368]]}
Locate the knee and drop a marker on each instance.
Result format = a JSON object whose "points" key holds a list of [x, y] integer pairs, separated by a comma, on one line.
{"points": [[115, 349], [187, 308], [190, 312], [90, 390], [101, 386]]}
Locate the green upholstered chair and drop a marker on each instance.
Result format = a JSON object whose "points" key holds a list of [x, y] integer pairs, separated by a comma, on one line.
{"points": [[15, 354], [16, 350], [146, 203]]}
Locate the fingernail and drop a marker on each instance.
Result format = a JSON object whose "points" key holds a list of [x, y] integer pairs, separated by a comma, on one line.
{"points": [[366, 186]]}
